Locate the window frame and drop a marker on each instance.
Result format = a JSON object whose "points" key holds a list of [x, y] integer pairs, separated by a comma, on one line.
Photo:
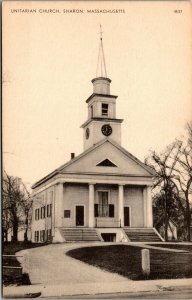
{"points": [[36, 236], [105, 110], [102, 215]]}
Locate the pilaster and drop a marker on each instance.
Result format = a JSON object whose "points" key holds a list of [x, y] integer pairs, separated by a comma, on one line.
{"points": [[59, 205], [121, 205], [148, 210]]}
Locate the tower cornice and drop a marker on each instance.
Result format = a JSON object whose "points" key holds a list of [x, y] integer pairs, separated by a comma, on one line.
{"points": [[100, 95], [107, 120]]}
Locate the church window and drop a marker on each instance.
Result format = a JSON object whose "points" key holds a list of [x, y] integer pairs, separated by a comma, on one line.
{"points": [[49, 235], [43, 212], [104, 109], [36, 236], [42, 235], [106, 163], [49, 210], [103, 207], [67, 213]]}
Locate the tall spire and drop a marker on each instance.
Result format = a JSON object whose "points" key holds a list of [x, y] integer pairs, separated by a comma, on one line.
{"points": [[101, 66]]}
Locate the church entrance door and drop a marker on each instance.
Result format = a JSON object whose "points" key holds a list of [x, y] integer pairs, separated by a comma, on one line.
{"points": [[79, 215]]}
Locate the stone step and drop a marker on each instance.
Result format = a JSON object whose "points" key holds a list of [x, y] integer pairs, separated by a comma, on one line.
{"points": [[142, 235], [79, 234]]}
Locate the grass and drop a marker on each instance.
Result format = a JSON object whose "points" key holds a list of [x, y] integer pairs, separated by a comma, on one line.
{"points": [[15, 276], [174, 246], [126, 261]]}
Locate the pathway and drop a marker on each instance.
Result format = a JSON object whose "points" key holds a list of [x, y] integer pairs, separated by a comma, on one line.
{"points": [[50, 265]]}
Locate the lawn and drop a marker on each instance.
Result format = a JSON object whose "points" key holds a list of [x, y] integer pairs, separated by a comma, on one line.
{"points": [[174, 246], [126, 261], [14, 276]]}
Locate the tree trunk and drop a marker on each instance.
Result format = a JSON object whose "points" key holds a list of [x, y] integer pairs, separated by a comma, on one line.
{"points": [[166, 219], [188, 220], [15, 231], [26, 228], [166, 228]]}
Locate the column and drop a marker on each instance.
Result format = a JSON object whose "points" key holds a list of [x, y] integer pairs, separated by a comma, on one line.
{"points": [[148, 210], [91, 206], [121, 205], [145, 206], [59, 205]]}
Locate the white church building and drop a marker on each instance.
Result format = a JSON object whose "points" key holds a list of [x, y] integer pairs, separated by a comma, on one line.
{"points": [[103, 194]]}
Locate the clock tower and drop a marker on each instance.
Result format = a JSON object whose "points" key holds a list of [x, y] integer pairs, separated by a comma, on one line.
{"points": [[102, 121]]}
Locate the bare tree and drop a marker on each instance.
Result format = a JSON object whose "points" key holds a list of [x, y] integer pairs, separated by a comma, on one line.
{"points": [[16, 204], [27, 209], [164, 183], [183, 178], [174, 173]]}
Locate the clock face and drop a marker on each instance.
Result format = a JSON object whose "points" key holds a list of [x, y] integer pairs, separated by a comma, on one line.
{"points": [[87, 133], [106, 130]]}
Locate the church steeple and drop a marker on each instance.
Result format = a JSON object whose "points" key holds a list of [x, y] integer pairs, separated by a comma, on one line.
{"points": [[101, 84], [102, 121], [101, 65]]}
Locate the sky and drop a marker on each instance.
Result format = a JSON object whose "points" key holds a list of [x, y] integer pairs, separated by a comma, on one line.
{"points": [[50, 58]]}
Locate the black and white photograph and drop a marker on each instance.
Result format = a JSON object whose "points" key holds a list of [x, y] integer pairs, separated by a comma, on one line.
{"points": [[97, 149]]}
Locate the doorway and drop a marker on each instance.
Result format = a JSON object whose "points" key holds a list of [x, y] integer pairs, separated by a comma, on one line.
{"points": [[109, 237], [126, 216], [79, 215]]}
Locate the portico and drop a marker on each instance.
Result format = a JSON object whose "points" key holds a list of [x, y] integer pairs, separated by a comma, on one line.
{"points": [[118, 196]]}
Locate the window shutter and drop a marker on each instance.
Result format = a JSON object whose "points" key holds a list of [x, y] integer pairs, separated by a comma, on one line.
{"points": [[111, 210], [96, 212]]}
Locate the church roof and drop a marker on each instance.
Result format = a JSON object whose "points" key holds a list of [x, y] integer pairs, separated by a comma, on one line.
{"points": [[62, 168]]}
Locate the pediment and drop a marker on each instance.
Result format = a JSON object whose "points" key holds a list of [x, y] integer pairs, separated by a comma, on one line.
{"points": [[95, 160]]}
